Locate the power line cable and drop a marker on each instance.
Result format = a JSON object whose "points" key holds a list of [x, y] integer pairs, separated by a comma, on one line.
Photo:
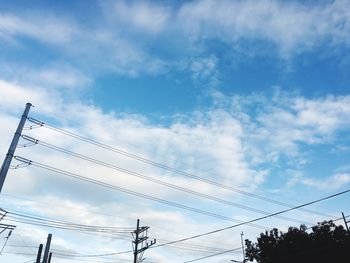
{"points": [[163, 166], [213, 255], [130, 192], [254, 220], [55, 222], [194, 247], [217, 254], [139, 175]]}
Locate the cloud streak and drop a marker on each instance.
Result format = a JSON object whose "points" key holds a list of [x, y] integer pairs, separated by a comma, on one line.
{"points": [[290, 28]]}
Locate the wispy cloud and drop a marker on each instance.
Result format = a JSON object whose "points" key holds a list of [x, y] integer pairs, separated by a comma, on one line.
{"points": [[146, 17], [333, 182], [44, 28], [292, 27], [221, 143], [113, 42]]}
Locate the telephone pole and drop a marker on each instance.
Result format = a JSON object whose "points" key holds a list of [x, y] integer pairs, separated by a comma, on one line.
{"points": [[244, 258], [140, 241], [345, 222], [38, 256], [4, 227], [47, 249], [11, 151]]}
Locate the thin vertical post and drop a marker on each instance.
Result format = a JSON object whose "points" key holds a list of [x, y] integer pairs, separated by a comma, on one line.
{"points": [[11, 151], [38, 257], [243, 246], [50, 256], [136, 240], [345, 222], [47, 248]]}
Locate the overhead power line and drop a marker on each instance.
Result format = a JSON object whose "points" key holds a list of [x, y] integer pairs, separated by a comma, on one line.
{"points": [[249, 222], [213, 255], [217, 254], [130, 192], [39, 123], [144, 177], [255, 220], [53, 223], [184, 246]]}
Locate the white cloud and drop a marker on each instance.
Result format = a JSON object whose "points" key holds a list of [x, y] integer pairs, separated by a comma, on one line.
{"points": [[55, 76], [292, 27], [15, 97], [45, 29], [333, 182], [114, 43], [216, 143], [144, 16], [286, 122]]}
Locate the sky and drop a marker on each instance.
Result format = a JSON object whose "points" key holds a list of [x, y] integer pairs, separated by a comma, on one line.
{"points": [[188, 115]]}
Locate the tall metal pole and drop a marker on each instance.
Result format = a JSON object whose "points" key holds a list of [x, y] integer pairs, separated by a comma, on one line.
{"points": [[47, 248], [11, 151], [136, 240], [38, 257]]}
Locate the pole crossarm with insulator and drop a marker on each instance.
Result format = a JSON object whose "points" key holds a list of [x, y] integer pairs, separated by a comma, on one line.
{"points": [[140, 244]]}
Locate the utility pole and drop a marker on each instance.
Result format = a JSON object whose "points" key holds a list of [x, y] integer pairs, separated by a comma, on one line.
{"points": [[47, 248], [244, 258], [7, 239], [345, 222], [11, 151], [4, 227], [38, 257], [140, 244], [243, 247]]}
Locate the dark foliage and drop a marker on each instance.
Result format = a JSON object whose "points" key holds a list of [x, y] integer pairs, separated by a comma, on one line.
{"points": [[325, 243]]}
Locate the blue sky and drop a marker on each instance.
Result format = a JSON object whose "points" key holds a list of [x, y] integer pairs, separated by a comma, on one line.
{"points": [[250, 94]]}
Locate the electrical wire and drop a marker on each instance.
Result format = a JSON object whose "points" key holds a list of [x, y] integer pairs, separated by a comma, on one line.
{"points": [[254, 220], [40, 221], [60, 256], [220, 253], [130, 192], [132, 173], [163, 166], [184, 246], [213, 255]]}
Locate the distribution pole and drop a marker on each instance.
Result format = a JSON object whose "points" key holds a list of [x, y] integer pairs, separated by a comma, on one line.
{"points": [[38, 257], [5, 227], [140, 244], [244, 258], [242, 246], [345, 222], [11, 151], [136, 240], [47, 248]]}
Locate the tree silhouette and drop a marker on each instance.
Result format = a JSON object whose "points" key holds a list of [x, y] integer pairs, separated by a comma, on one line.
{"points": [[325, 243]]}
